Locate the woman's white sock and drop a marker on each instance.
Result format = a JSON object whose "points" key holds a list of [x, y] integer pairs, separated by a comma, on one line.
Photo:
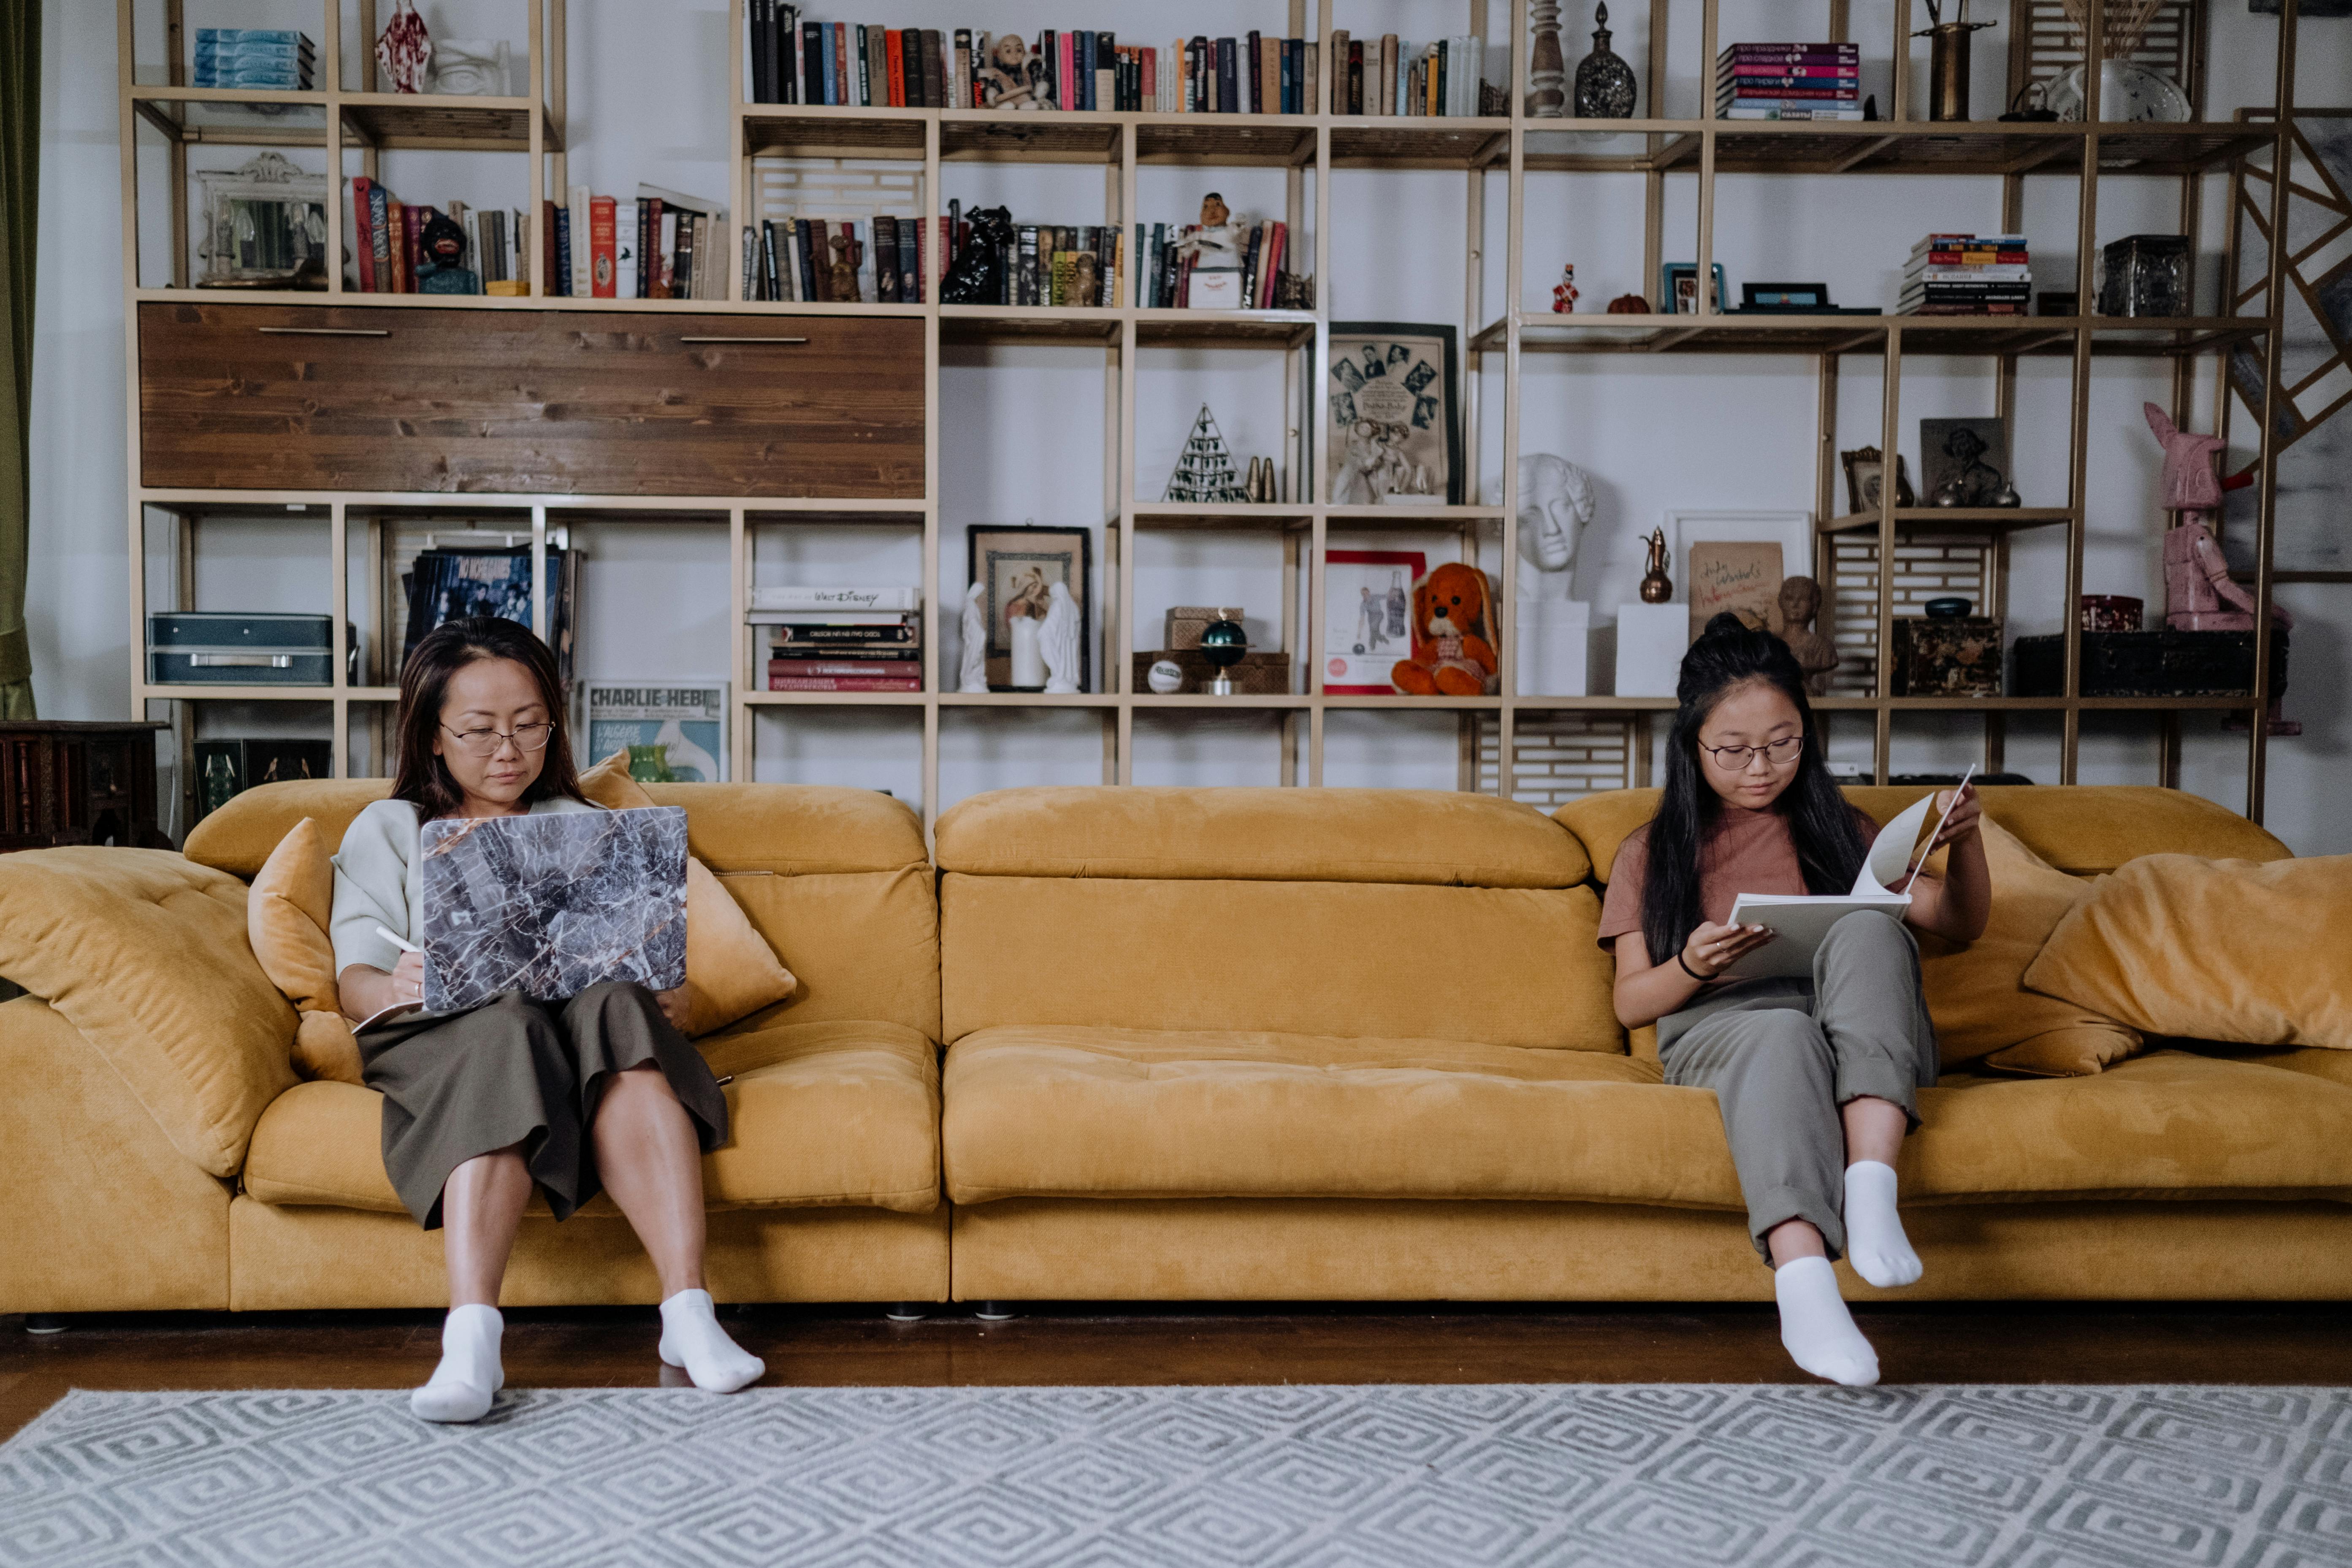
{"points": [[1874, 1242], [1817, 1329], [691, 1338], [470, 1375]]}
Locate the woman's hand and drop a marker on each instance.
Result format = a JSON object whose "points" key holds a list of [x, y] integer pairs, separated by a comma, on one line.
{"points": [[1712, 948], [673, 1006], [366, 990], [1963, 815], [408, 979]]}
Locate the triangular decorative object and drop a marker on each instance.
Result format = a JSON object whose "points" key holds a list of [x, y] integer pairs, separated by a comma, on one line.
{"points": [[1204, 472]]}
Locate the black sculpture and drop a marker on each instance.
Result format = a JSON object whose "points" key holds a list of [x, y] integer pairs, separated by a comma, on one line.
{"points": [[977, 276]]}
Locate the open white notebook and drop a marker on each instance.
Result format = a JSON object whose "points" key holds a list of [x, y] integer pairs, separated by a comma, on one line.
{"points": [[1803, 919]]}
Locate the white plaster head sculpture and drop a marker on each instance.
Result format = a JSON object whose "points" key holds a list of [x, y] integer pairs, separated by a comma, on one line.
{"points": [[1556, 504]]}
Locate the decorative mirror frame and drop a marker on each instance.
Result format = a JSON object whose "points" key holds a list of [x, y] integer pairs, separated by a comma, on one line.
{"points": [[269, 179]]}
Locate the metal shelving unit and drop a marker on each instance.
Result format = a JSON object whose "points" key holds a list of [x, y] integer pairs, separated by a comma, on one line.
{"points": [[1313, 144]]}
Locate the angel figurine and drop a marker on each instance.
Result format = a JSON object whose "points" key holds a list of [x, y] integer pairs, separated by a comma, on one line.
{"points": [[1058, 640], [974, 677]]}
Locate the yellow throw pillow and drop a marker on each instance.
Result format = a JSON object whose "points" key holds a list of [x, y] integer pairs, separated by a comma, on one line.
{"points": [[286, 914], [730, 969], [2243, 950], [1977, 990]]}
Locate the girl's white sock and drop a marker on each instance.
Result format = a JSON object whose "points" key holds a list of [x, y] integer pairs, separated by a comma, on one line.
{"points": [[1817, 1329], [470, 1375], [1874, 1242], [691, 1338]]}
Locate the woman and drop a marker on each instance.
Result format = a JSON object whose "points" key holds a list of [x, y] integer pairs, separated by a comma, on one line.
{"points": [[479, 1107], [1817, 1078]]}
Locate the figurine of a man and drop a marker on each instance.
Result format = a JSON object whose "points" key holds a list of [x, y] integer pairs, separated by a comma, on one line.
{"points": [[1817, 656], [1218, 242]]}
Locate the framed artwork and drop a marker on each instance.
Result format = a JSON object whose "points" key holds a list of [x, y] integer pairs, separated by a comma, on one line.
{"points": [[674, 730], [1367, 616], [1784, 296], [1019, 567], [1965, 462], [261, 222], [1865, 469], [1395, 432], [1678, 288]]}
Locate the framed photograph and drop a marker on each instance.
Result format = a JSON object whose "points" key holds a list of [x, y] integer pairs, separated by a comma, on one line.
{"points": [[1865, 469], [1395, 435], [1678, 288], [1965, 462], [1019, 566], [1367, 617], [262, 222], [674, 730]]}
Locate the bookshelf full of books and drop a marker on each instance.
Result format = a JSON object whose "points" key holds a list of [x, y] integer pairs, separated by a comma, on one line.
{"points": [[751, 267]]}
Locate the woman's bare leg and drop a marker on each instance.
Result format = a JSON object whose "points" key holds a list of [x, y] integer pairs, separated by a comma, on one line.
{"points": [[481, 1208], [651, 1163]]}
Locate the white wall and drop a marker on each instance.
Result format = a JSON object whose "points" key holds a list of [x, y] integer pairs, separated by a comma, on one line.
{"points": [[1022, 427]]}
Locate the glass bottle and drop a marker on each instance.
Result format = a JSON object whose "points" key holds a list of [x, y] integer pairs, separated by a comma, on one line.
{"points": [[1604, 83]]}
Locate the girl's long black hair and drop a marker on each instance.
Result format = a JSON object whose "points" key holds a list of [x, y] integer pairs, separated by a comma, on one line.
{"points": [[1830, 847]]}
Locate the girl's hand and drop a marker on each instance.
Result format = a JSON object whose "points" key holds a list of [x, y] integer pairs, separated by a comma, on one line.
{"points": [[1962, 817], [1712, 948], [408, 978], [673, 1006]]}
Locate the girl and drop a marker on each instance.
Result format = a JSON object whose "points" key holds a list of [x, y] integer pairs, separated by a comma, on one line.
{"points": [[482, 1106], [1817, 1079]]}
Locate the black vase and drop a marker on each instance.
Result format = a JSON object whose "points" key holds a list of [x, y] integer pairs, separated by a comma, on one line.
{"points": [[1604, 83]]}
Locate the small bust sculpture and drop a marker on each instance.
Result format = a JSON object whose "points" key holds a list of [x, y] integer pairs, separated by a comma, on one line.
{"points": [[1817, 656], [845, 274]]}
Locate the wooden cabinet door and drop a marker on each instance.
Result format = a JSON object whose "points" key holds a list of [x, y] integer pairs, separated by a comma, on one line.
{"points": [[619, 402]]}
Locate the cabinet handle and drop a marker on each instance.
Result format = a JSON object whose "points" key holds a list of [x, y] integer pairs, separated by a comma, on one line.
{"points": [[240, 661], [743, 339], [324, 331]]}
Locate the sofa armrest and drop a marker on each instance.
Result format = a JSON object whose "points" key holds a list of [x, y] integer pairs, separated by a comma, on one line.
{"points": [[144, 953]]}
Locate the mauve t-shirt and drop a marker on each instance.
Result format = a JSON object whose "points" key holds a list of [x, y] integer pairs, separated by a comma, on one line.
{"points": [[1748, 852]]}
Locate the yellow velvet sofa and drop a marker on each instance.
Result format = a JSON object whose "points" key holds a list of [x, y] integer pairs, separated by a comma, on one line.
{"points": [[157, 1151], [1206, 1044]]}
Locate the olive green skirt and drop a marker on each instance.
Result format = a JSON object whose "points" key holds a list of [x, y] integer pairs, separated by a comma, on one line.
{"points": [[515, 1072]]}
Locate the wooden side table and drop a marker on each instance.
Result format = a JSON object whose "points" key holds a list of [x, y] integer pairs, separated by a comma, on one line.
{"points": [[63, 781]]}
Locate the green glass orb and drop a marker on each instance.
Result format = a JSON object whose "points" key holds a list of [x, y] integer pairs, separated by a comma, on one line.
{"points": [[1223, 643]]}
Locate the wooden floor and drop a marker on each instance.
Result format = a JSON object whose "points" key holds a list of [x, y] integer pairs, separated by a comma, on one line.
{"points": [[1189, 1343]]}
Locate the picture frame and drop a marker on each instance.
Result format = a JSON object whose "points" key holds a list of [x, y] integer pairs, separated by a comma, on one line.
{"points": [[1025, 561], [1864, 467], [1796, 297], [675, 732], [1966, 462], [1690, 531], [1678, 288], [1367, 611], [1394, 430], [263, 222]]}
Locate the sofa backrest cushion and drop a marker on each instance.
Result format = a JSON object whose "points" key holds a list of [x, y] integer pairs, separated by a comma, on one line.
{"points": [[1387, 914], [835, 879], [144, 951], [2081, 829]]}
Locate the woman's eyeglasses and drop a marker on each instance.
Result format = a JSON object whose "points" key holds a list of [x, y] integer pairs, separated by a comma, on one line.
{"points": [[1739, 759], [486, 742]]}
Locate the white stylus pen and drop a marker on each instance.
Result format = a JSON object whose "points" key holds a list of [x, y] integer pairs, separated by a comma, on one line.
{"points": [[385, 932]]}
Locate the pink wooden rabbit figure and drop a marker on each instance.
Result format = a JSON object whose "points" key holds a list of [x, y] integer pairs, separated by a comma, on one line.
{"points": [[2196, 575]]}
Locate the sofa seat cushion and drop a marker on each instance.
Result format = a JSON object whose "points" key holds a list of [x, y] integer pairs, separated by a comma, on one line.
{"points": [[825, 1114], [1072, 1112]]}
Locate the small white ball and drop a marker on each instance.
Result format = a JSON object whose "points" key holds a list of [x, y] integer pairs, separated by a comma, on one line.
{"points": [[1165, 676]]}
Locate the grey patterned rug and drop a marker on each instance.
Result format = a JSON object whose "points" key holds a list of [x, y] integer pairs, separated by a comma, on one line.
{"points": [[1673, 1475]]}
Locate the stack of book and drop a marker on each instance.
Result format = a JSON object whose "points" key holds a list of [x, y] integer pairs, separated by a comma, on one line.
{"points": [[1789, 81], [841, 639], [659, 245], [387, 242], [1165, 278], [271, 58], [1967, 275], [866, 66], [1384, 76], [793, 258]]}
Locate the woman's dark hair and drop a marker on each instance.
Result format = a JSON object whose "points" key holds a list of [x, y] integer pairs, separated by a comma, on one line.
{"points": [[1830, 850], [423, 779]]}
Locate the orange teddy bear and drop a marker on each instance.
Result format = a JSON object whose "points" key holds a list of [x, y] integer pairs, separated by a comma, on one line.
{"points": [[1452, 625]]}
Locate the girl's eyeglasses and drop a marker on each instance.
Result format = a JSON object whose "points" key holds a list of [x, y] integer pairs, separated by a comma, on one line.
{"points": [[1779, 753]]}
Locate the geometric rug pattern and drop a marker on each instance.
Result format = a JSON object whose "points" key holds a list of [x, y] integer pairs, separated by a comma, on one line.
{"points": [[1303, 1476]]}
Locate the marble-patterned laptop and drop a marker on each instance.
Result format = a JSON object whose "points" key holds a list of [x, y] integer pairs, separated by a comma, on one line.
{"points": [[551, 905]]}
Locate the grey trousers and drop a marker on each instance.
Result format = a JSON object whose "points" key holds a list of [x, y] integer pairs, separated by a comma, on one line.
{"points": [[1782, 1055]]}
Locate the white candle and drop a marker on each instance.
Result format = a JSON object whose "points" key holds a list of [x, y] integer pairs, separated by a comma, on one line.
{"points": [[1028, 663]]}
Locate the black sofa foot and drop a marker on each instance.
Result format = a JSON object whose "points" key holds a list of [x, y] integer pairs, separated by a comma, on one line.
{"points": [[44, 1323]]}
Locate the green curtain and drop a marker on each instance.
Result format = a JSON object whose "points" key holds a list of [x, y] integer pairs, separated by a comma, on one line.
{"points": [[20, 179]]}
